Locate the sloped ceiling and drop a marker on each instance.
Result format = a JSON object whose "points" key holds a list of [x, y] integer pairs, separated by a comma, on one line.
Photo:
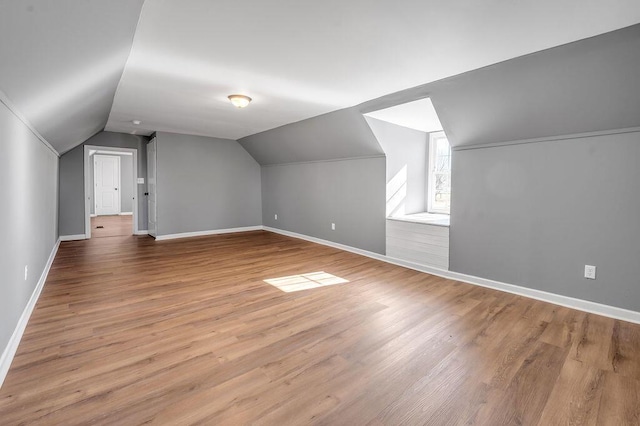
{"points": [[301, 59], [585, 86], [60, 62], [417, 115], [339, 134]]}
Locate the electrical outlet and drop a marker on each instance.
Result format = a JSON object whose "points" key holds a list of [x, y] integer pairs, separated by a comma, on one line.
{"points": [[333, 226], [590, 272], [276, 216], [26, 272]]}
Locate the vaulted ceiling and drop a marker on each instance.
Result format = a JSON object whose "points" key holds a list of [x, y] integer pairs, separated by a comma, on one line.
{"points": [[60, 62], [173, 62]]}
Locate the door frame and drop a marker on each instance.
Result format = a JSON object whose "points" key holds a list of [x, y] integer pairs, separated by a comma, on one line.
{"points": [[153, 233], [118, 178], [87, 185]]}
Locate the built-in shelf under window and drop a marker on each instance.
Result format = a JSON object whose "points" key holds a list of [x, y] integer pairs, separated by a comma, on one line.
{"points": [[421, 238], [426, 218]]}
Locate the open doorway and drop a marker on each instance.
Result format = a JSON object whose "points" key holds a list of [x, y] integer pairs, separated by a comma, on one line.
{"points": [[110, 189]]}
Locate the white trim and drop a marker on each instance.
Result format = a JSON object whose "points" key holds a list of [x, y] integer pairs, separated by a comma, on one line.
{"points": [[212, 232], [557, 299], [93, 215], [142, 232], [4, 99], [111, 152], [125, 213], [73, 237], [549, 138], [152, 186], [434, 138], [330, 160], [10, 351]]}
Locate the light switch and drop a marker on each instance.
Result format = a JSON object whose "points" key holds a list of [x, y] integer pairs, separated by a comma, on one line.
{"points": [[140, 181]]}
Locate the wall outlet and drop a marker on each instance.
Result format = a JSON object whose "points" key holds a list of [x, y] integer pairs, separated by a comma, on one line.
{"points": [[26, 272], [333, 226], [590, 272], [276, 216]]}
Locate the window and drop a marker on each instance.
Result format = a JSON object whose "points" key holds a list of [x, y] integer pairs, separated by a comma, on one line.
{"points": [[439, 174]]}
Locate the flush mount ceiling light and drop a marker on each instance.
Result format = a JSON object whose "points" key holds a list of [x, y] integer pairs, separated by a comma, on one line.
{"points": [[239, 101], [136, 122]]}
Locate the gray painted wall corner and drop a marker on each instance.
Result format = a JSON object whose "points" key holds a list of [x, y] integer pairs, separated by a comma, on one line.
{"points": [[205, 184], [308, 197]]}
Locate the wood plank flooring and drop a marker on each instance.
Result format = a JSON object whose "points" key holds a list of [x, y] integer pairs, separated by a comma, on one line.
{"points": [[129, 331], [111, 226]]}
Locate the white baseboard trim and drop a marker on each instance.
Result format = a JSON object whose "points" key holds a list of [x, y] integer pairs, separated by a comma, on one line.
{"points": [[126, 214], [10, 351], [141, 232], [557, 299], [73, 237], [93, 215], [211, 232]]}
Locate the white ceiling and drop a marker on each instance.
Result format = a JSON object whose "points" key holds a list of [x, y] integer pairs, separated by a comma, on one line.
{"points": [[418, 115], [60, 62], [301, 59]]}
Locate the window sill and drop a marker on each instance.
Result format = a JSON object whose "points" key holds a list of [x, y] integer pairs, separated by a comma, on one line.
{"points": [[425, 218]]}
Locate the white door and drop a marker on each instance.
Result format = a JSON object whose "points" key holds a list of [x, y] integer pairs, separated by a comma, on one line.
{"points": [[151, 187], [107, 184]]}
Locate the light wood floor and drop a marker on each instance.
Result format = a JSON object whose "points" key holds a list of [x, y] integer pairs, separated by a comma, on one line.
{"points": [[129, 330], [111, 226]]}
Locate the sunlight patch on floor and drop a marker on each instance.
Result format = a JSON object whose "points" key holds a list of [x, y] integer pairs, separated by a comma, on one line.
{"points": [[305, 281]]}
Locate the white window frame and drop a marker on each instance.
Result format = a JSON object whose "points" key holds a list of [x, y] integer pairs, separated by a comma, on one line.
{"points": [[433, 139]]}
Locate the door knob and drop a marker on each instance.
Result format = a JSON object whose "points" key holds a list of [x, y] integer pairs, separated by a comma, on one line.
{"points": [[115, 189]]}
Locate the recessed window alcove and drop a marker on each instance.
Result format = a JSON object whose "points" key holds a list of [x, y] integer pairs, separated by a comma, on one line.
{"points": [[418, 179]]}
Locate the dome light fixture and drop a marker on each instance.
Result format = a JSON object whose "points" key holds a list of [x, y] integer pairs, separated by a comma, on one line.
{"points": [[239, 101], [136, 122]]}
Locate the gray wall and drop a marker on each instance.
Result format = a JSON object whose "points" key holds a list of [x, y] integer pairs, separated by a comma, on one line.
{"points": [[308, 197], [339, 134], [126, 183], [29, 216], [535, 214], [71, 219], [205, 184], [304, 184], [408, 148]]}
